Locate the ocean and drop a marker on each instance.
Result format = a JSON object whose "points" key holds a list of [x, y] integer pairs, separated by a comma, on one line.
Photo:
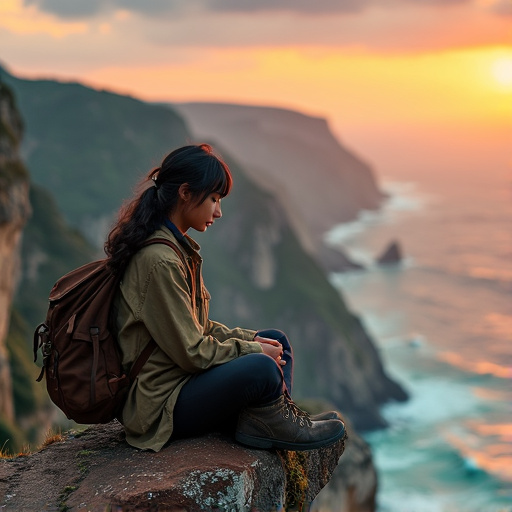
{"points": [[442, 321]]}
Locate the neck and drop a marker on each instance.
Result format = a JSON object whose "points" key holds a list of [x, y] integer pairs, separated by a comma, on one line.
{"points": [[176, 220]]}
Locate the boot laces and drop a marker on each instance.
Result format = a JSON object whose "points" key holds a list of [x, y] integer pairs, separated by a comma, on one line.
{"points": [[296, 413]]}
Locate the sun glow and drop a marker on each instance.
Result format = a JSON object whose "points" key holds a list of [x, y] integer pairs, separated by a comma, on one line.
{"points": [[502, 71], [453, 86]]}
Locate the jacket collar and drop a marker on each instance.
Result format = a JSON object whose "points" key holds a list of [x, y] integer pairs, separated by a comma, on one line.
{"points": [[190, 247]]}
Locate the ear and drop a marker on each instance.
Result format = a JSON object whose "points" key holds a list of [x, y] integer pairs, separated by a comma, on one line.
{"points": [[184, 192]]}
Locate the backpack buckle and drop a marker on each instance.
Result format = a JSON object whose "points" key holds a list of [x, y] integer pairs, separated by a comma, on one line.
{"points": [[42, 341], [40, 338]]}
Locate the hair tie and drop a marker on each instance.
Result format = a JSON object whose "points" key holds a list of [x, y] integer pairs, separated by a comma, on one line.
{"points": [[154, 178]]}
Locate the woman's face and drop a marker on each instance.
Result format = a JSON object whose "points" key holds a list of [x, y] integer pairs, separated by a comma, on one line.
{"points": [[201, 216]]}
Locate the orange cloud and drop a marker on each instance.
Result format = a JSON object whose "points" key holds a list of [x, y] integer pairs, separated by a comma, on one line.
{"points": [[400, 26], [22, 20]]}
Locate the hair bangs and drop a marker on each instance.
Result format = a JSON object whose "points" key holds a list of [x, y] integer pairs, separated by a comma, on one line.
{"points": [[217, 180], [224, 181]]}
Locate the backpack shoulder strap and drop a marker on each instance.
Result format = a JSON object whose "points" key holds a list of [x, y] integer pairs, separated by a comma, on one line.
{"points": [[170, 244], [141, 360]]}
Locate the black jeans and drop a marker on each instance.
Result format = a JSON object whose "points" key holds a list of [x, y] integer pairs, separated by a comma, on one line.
{"points": [[287, 356], [212, 400]]}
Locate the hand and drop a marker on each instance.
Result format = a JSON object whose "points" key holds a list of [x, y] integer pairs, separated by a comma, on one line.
{"points": [[270, 341], [272, 348]]}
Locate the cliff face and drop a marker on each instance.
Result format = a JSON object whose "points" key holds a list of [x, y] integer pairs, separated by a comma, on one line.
{"points": [[320, 182], [14, 211]]}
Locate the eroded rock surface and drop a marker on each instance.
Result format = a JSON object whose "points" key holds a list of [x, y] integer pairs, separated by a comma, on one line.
{"points": [[97, 470]]}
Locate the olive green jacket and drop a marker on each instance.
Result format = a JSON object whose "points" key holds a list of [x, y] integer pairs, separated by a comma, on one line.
{"points": [[155, 300]]}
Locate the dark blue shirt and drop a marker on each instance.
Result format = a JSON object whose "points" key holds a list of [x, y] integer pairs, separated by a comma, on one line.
{"points": [[175, 231]]}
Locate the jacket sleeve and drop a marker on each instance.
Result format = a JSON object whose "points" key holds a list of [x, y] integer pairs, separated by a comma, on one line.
{"points": [[222, 333], [166, 310]]}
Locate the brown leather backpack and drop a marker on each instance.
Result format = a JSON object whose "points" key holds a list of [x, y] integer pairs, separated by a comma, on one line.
{"points": [[81, 356]]}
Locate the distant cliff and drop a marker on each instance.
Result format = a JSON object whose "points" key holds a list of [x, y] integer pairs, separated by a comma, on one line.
{"points": [[14, 211], [320, 182]]}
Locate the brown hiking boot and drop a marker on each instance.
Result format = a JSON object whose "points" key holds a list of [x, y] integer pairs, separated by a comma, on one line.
{"points": [[282, 425], [328, 415]]}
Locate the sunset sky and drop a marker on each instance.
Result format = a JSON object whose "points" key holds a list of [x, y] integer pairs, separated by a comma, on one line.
{"points": [[395, 78]]}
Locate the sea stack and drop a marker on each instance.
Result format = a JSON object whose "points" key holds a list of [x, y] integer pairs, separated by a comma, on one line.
{"points": [[392, 255]]}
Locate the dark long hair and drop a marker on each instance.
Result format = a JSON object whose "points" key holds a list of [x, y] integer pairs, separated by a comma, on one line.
{"points": [[197, 165]]}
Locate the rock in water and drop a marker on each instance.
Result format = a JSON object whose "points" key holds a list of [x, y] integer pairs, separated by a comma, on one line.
{"points": [[392, 255]]}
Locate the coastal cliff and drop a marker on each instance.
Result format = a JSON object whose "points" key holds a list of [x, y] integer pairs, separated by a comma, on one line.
{"points": [[14, 212]]}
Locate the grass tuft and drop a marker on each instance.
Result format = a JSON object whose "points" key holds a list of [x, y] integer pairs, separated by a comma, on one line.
{"points": [[52, 438], [6, 455]]}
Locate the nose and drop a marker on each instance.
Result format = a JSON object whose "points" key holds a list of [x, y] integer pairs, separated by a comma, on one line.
{"points": [[218, 212]]}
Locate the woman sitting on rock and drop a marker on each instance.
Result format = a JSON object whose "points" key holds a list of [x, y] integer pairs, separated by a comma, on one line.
{"points": [[202, 376]]}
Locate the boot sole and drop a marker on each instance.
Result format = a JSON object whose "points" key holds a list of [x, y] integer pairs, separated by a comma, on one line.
{"points": [[266, 443]]}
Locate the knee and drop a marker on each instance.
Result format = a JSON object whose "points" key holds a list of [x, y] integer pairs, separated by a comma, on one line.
{"points": [[274, 334], [262, 366]]}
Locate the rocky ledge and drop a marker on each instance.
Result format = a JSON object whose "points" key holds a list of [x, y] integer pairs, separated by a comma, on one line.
{"points": [[97, 470]]}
